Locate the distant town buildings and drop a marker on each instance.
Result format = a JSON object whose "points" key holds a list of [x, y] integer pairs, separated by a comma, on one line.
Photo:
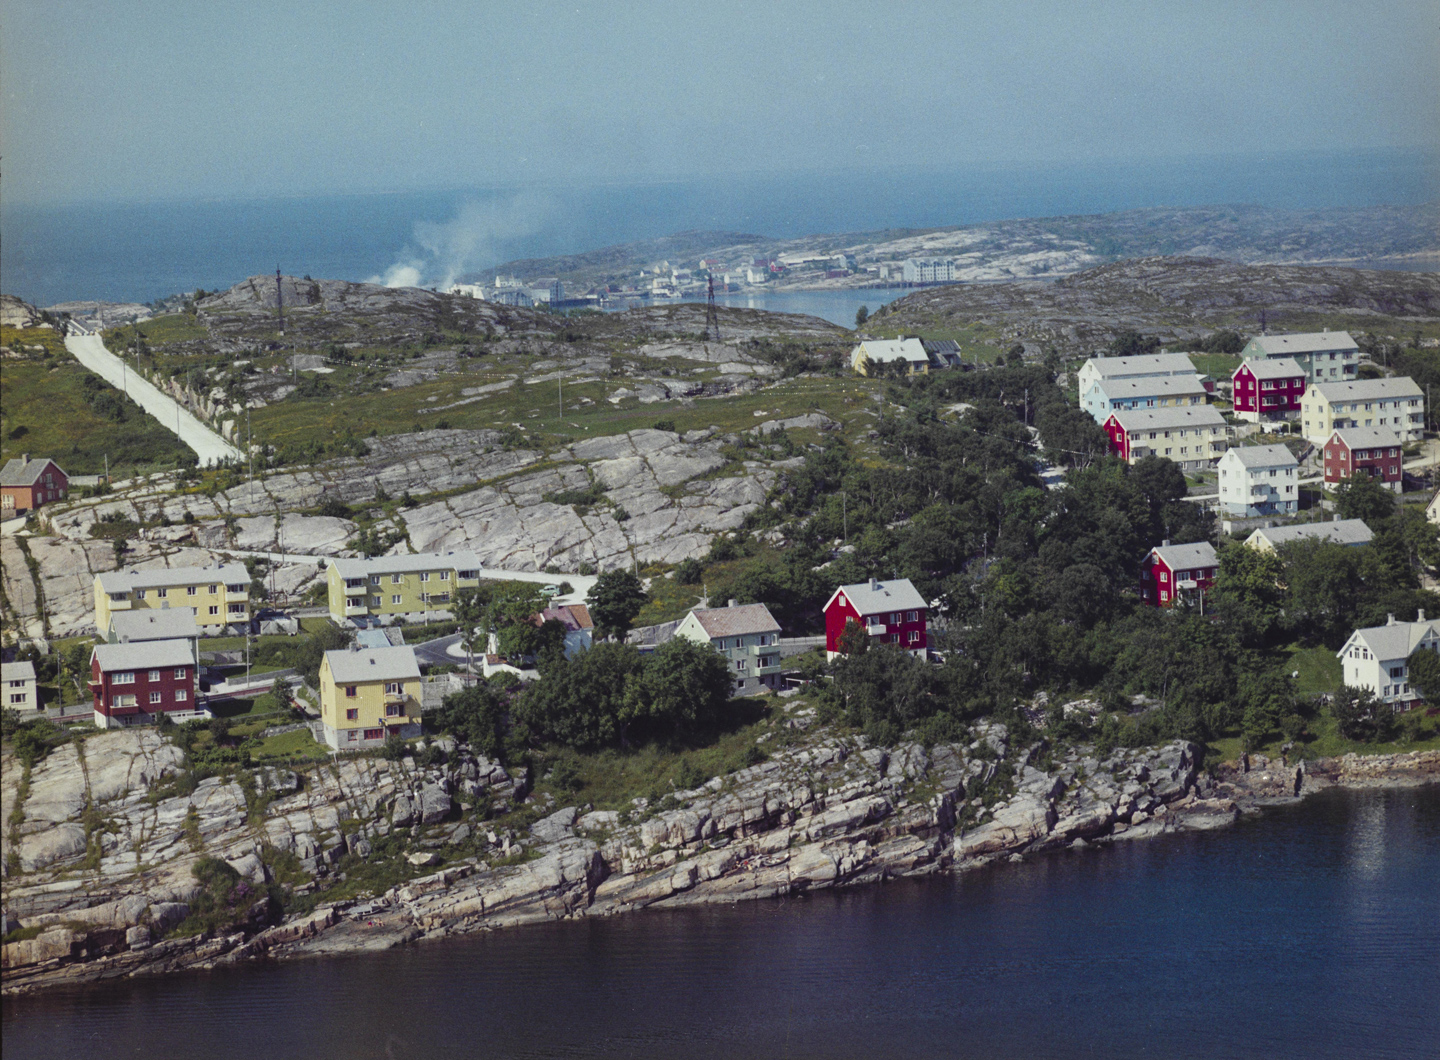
{"points": [[872, 353], [1348, 532], [416, 588], [1325, 356], [220, 596], [141, 627], [1142, 366], [1194, 437], [26, 484], [369, 694], [17, 679], [747, 635], [929, 270], [1259, 480], [1142, 392], [132, 684]]}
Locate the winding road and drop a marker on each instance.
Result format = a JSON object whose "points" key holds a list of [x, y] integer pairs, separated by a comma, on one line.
{"points": [[89, 350]]}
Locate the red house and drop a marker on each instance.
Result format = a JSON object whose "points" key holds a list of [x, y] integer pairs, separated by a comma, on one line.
{"points": [[1172, 570], [1373, 451], [1268, 390], [26, 484], [891, 612], [132, 683]]}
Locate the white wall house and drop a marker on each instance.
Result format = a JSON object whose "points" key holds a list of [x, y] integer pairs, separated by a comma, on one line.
{"points": [[747, 635], [1376, 658], [18, 681], [1326, 356], [1143, 365], [1126, 394], [929, 270], [1258, 480]]}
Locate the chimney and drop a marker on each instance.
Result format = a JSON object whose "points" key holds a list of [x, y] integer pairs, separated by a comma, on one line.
{"points": [[1420, 616], [1389, 620], [24, 459], [1165, 543], [730, 604], [874, 584]]}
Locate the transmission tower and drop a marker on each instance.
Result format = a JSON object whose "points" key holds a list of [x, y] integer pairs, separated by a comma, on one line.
{"points": [[712, 318]]}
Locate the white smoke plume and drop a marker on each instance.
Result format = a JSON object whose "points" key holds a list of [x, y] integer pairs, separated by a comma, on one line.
{"points": [[480, 233]]}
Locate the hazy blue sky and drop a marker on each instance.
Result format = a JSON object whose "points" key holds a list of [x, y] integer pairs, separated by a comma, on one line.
{"points": [[161, 98]]}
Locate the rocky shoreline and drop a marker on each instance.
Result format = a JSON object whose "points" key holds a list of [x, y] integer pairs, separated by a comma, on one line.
{"points": [[828, 812]]}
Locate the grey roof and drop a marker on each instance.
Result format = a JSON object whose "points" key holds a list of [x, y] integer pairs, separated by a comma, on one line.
{"points": [[1394, 641], [1368, 389], [1186, 557], [145, 655], [897, 595], [1262, 456], [421, 561], [1271, 368], [1148, 385], [1366, 437], [737, 621], [1306, 342], [124, 581], [17, 472], [372, 664], [165, 623], [372, 638], [1142, 364], [1169, 418], [879, 350], [17, 671], [1340, 531]]}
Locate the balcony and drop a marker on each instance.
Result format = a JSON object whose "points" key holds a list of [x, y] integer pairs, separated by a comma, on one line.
{"points": [[355, 609], [355, 589], [877, 630], [123, 604]]}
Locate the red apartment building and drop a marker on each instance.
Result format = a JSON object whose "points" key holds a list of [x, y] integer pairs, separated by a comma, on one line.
{"points": [[1268, 390], [132, 683], [1373, 451], [1172, 570], [890, 612]]}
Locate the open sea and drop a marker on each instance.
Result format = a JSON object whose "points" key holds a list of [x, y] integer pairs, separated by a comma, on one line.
{"points": [[138, 252], [1310, 932]]}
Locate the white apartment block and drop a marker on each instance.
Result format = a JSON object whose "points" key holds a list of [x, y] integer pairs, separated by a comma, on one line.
{"points": [[1259, 480]]}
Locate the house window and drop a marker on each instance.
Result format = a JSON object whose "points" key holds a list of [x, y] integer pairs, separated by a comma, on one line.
{"points": [[350, 692], [914, 636], [124, 677], [179, 673], [374, 734], [392, 710], [374, 579], [894, 638], [912, 616], [237, 609], [395, 599], [214, 609], [191, 590], [396, 579], [214, 589], [122, 701], [444, 575], [139, 594], [162, 593], [374, 601], [394, 688], [154, 698], [739, 664], [17, 697], [352, 736], [181, 695], [352, 714], [425, 576]]}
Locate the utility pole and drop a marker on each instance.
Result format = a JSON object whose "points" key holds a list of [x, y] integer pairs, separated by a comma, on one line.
{"points": [[844, 518], [250, 448], [561, 383], [279, 301]]}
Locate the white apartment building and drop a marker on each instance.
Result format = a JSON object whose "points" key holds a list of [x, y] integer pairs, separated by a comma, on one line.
{"points": [[1326, 356], [1149, 364], [929, 270], [1377, 658], [1259, 480]]}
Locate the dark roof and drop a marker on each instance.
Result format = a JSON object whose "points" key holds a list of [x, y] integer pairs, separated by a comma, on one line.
{"points": [[17, 472]]}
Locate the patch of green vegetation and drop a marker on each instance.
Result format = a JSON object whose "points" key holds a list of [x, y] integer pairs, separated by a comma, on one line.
{"points": [[1318, 668], [668, 601], [46, 409], [1218, 366], [288, 745]]}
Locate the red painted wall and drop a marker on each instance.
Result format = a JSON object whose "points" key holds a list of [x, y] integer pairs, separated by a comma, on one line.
{"points": [[1386, 467], [1160, 593], [103, 688], [836, 616], [1119, 440]]}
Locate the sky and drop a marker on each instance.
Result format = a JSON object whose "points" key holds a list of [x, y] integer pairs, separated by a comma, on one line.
{"points": [[150, 100]]}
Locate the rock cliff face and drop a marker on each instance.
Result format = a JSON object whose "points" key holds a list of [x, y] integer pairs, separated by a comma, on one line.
{"points": [[100, 871]]}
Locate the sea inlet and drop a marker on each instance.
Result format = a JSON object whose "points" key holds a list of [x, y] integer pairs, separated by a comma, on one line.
{"points": [[1310, 931]]}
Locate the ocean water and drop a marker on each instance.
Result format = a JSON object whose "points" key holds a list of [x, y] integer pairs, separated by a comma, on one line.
{"points": [[1310, 932], [143, 251]]}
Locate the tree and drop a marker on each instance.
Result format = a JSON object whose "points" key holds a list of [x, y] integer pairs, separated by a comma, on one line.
{"points": [[861, 315], [471, 608], [581, 703], [1323, 587], [1361, 497], [1247, 594], [1131, 343], [479, 715], [684, 687], [1360, 716], [615, 600], [885, 690], [1424, 669]]}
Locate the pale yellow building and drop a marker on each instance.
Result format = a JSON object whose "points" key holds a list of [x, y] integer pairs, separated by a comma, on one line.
{"points": [[368, 694], [220, 595], [1397, 403], [414, 588]]}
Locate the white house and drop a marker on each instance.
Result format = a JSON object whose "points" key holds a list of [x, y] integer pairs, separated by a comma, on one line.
{"points": [[1432, 510], [1258, 480], [18, 680], [747, 635], [872, 352], [929, 270], [1349, 532], [1143, 365], [1376, 658], [1142, 392]]}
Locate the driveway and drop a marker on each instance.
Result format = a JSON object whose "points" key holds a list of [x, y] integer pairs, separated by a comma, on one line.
{"points": [[208, 446]]}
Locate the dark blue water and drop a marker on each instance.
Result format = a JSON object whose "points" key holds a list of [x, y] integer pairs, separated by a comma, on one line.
{"points": [[138, 252], [1312, 932]]}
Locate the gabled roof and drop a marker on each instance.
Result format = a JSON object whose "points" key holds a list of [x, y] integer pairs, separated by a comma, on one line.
{"points": [[1261, 456], [1306, 342], [124, 581], [1366, 437], [17, 472], [166, 623], [1396, 640], [1142, 364], [17, 671], [372, 638], [736, 621], [1149, 386], [880, 350], [1168, 418], [1185, 557], [421, 561], [574, 617], [372, 664], [872, 597], [1272, 368], [1340, 531], [145, 655], [1368, 389]]}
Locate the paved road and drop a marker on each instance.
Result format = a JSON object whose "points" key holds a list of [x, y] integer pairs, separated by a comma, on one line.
{"points": [[209, 446], [437, 652]]}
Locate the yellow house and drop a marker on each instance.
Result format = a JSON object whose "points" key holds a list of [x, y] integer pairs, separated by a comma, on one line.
{"points": [[872, 352], [1397, 403], [367, 694], [411, 587], [220, 595]]}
